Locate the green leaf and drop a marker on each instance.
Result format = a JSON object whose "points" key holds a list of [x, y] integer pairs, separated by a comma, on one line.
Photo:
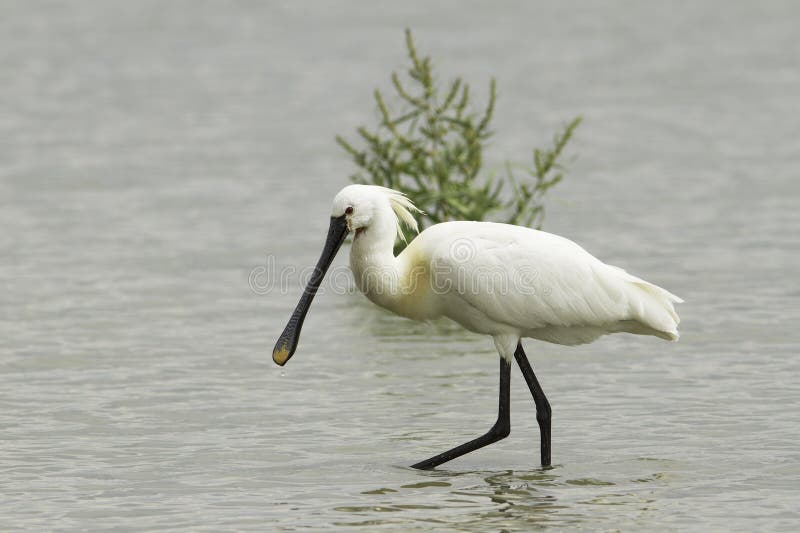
{"points": [[433, 151]]}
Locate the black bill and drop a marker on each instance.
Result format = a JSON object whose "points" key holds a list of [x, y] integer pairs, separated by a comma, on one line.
{"points": [[287, 342]]}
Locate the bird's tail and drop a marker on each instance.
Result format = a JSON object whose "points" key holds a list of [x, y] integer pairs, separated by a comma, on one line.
{"points": [[656, 309], [653, 307]]}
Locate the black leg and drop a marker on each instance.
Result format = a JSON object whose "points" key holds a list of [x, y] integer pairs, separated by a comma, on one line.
{"points": [[543, 411], [499, 431]]}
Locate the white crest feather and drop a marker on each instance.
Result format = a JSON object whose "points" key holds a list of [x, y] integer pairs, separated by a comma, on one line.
{"points": [[403, 208]]}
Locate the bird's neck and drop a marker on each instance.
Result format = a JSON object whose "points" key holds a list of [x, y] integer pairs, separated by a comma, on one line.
{"points": [[375, 268], [399, 284]]}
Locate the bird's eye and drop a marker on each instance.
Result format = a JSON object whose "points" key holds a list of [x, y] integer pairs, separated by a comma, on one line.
{"points": [[349, 210]]}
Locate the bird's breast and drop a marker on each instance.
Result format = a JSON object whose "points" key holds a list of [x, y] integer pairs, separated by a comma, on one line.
{"points": [[402, 286]]}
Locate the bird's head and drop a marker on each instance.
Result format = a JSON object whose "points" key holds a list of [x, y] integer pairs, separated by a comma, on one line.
{"points": [[373, 213], [371, 206]]}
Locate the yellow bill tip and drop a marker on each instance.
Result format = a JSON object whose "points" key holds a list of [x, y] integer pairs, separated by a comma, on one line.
{"points": [[281, 355]]}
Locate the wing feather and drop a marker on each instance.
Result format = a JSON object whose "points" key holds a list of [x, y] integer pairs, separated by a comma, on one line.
{"points": [[543, 285]]}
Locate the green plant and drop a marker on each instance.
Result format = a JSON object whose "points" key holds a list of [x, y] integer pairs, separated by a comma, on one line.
{"points": [[432, 150]]}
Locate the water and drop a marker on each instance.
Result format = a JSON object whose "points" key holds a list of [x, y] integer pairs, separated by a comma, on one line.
{"points": [[153, 155]]}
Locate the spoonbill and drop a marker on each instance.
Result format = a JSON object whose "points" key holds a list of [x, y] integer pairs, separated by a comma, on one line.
{"points": [[506, 281]]}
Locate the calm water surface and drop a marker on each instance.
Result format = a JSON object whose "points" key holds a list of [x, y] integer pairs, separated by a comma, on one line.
{"points": [[154, 154]]}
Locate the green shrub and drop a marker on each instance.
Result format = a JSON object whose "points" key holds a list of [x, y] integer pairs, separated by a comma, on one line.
{"points": [[432, 150]]}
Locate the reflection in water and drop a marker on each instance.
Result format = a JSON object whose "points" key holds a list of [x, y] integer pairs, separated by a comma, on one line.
{"points": [[518, 496], [508, 494], [505, 499]]}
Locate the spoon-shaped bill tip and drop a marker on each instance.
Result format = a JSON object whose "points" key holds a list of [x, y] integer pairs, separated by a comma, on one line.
{"points": [[281, 355]]}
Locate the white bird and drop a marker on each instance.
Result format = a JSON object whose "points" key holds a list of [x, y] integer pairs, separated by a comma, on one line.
{"points": [[501, 280]]}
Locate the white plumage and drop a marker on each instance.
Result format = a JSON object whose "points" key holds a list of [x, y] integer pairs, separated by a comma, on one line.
{"points": [[497, 279], [505, 281]]}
